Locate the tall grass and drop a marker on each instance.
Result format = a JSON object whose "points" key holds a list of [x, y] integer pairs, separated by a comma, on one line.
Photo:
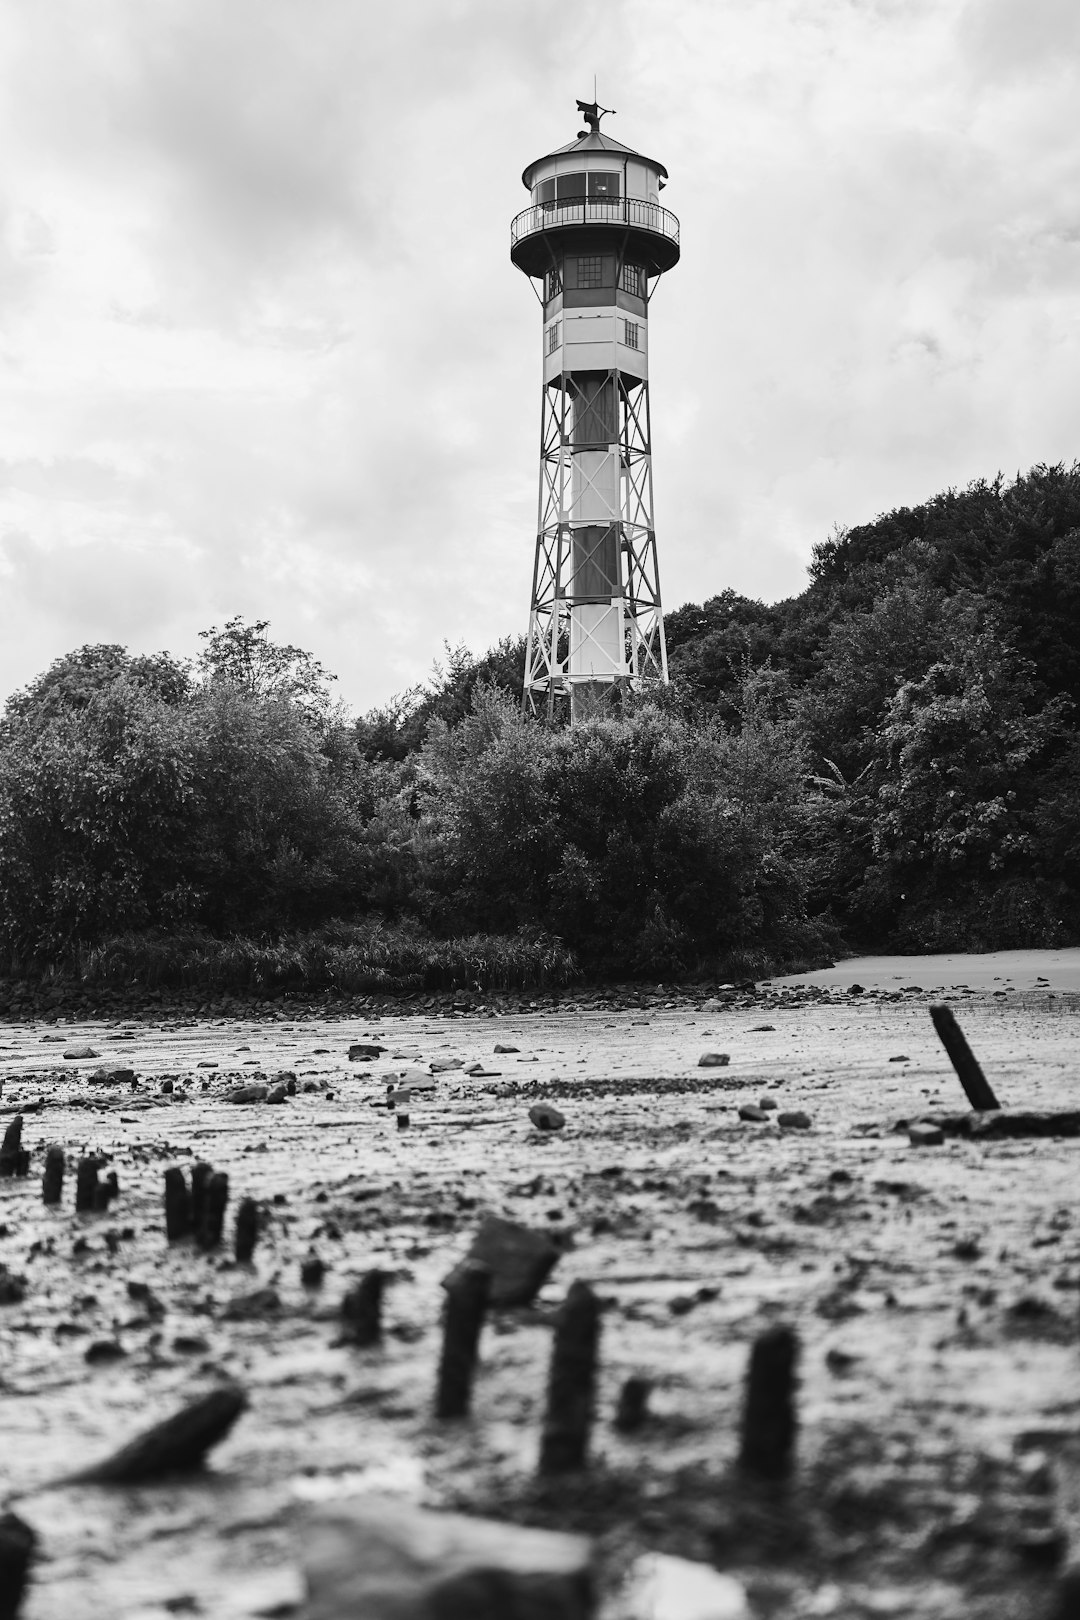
{"points": [[346, 958]]}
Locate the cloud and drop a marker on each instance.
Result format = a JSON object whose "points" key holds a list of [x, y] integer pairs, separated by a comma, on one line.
{"points": [[263, 350]]}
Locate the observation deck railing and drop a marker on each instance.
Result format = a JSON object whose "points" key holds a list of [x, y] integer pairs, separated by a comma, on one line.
{"points": [[630, 211]]}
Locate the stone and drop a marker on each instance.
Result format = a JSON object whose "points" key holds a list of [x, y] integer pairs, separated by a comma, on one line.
{"points": [[714, 1060], [660, 1587], [443, 1065], [546, 1117], [793, 1119], [248, 1094], [111, 1077], [500, 1047], [279, 1093], [753, 1114], [925, 1135], [76, 1054], [12, 1288], [519, 1260], [388, 1560], [633, 1408], [769, 1104], [252, 1307], [365, 1052]]}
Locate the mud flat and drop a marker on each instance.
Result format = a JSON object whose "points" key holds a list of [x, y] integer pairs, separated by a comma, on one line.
{"points": [[934, 1289]]}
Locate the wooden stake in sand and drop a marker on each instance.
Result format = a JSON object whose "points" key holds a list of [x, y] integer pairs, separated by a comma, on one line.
{"points": [[177, 1205], [361, 1310], [52, 1182], [571, 1382], [769, 1417], [247, 1228], [971, 1077], [86, 1185], [209, 1233], [17, 1542], [14, 1158], [180, 1443], [466, 1304], [200, 1177]]}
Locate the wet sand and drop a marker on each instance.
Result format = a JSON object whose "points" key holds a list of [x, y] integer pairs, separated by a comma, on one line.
{"points": [[934, 1290]]}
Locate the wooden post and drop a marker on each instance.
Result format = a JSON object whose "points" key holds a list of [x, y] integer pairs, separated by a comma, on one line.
{"points": [[971, 1077], [17, 1542], [177, 1205], [247, 1229], [571, 1382], [769, 1416], [361, 1310], [466, 1305], [52, 1182]]}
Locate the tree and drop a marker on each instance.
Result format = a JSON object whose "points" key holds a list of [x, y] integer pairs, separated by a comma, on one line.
{"points": [[240, 655]]}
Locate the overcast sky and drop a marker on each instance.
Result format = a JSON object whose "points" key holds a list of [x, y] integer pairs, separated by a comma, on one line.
{"points": [[262, 349]]}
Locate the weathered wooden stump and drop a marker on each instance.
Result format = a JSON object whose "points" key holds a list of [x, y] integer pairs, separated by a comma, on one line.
{"points": [[361, 1310], [52, 1181], [466, 1306], [177, 1205], [571, 1382], [86, 1185], [17, 1543], [247, 1228], [214, 1204], [978, 1089], [770, 1419]]}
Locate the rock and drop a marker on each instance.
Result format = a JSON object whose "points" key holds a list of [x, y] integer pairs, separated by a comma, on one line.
{"points": [[312, 1270], [365, 1052], [925, 1135], [633, 1407], [111, 1077], [769, 1104], [856, 990], [251, 1307], [12, 1288], [442, 1065], [248, 1094], [761, 1029], [519, 1259], [166, 1087], [793, 1119], [280, 1093], [500, 1047], [417, 1080], [388, 1560], [713, 1060], [752, 1113], [75, 1054], [546, 1117], [103, 1350], [660, 1587]]}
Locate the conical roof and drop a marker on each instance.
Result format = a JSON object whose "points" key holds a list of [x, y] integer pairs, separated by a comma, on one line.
{"points": [[594, 141]]}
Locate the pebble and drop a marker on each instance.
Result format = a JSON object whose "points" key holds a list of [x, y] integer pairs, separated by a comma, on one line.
{"points": [[768, 1103], [793, 1120], [661, 1587], [753, 1114], [546, 1117], [248, 1094]]}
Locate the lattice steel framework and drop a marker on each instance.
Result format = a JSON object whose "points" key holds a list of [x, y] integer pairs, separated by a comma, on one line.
{"points": [[559, 585]]}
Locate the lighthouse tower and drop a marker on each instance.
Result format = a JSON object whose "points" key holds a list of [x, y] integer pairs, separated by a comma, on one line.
{"points": [[594, 239]]}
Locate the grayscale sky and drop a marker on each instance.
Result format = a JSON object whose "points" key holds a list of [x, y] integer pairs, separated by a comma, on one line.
{"points": [[262, 349]]}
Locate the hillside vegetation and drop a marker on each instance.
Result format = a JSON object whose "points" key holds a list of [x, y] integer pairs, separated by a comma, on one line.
{"points": [[890, 758]]}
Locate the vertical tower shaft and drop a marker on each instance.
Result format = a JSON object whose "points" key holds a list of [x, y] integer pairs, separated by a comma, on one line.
{"points": [[594, 237]]}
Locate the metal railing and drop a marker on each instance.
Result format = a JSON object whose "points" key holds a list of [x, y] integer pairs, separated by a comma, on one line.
{"points": [[642, 216]]}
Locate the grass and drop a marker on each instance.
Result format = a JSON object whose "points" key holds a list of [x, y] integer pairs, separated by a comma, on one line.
{"points": [[344, 958]]}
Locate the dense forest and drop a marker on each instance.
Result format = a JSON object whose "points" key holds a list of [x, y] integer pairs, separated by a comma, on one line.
{"points": [[891, 758]]}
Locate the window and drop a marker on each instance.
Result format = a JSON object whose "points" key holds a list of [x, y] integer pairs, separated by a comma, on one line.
{"points": [[631, 334], [552, 284], [632, 280], [590, 271], [604, 186], [553, 337], [545, 194], [570, 187]]}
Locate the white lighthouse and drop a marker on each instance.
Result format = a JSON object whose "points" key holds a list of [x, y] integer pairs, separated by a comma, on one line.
{"points": [[594, 239]]}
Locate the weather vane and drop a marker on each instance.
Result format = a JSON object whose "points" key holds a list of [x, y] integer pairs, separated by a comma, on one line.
{"points": [[592, 112]]}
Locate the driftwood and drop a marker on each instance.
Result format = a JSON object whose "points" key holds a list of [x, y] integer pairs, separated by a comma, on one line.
{"points": [[175, 1446]]}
